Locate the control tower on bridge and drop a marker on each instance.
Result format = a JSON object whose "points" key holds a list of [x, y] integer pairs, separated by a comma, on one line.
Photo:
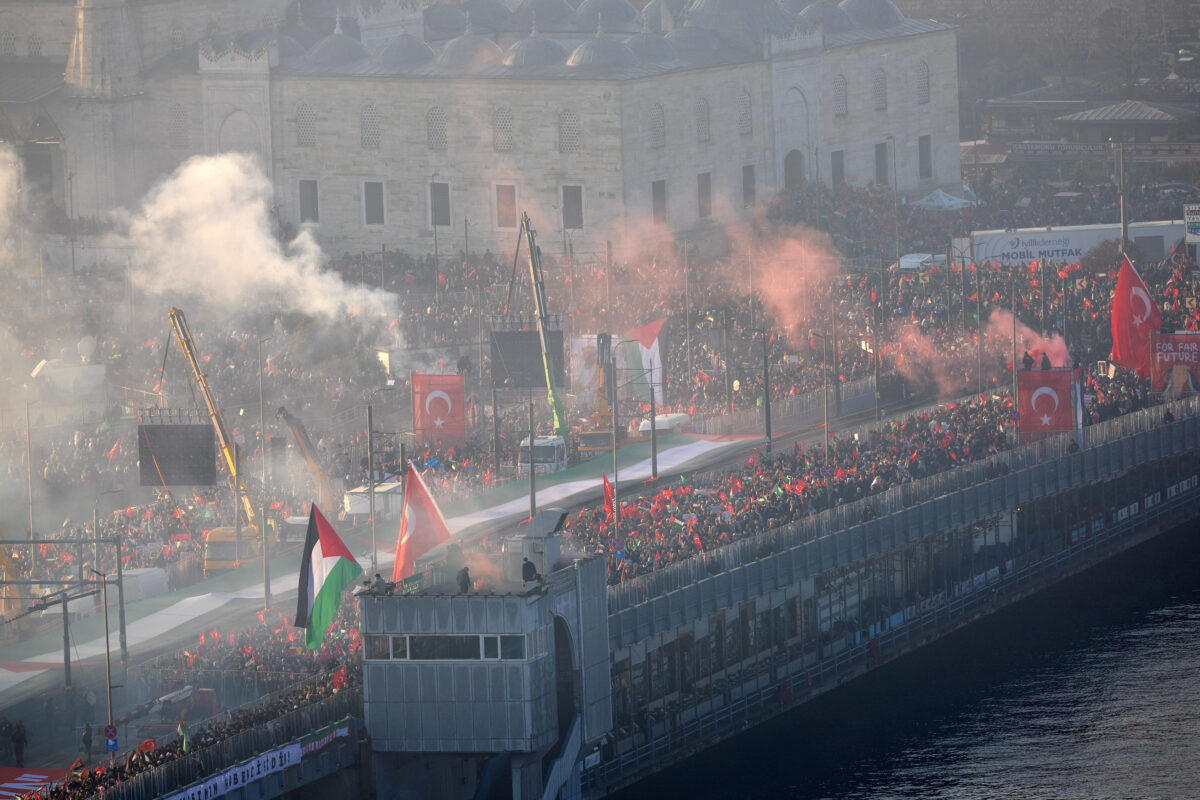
{"points": [[489, 669]]}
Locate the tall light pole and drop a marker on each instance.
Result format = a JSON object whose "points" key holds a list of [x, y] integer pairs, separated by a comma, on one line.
{"points": [[262, 449], [120, 582], [825, 396], [391, 384], [107, 652], [895, 202], [29, 476]]}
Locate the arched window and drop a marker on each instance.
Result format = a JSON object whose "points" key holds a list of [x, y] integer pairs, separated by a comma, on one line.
{"points": [[177, 126], [745, 115], [879, 89], [435, 128], [658, 127], [570, 132], [370, 127], [306, 126], [178, 38], [8, 43], [922, 80], [841, 105], [702, 123], [502, 129], [35, 44]]}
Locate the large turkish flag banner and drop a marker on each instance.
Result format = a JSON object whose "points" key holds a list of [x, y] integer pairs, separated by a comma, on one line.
{"points": [[439, 409], [1134, 317], [1046, 404]]}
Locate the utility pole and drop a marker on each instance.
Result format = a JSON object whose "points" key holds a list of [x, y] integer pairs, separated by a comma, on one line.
{"points": [[766, 384], [532, 471]]}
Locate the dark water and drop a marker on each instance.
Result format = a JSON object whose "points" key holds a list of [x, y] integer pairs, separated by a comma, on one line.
{"points": [[1089, 691]]}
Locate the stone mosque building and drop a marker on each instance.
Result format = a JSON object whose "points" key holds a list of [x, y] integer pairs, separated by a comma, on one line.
{"points": [[388, 123]]}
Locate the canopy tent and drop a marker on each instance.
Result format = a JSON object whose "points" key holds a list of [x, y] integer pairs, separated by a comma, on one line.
{"points": [[937, 200]]}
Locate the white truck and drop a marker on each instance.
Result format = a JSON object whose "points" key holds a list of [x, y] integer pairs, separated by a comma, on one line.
{"points": [[1069, 243]]}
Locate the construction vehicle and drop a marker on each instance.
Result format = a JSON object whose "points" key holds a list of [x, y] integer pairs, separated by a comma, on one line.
{"points": [[226, 547], [326, 495]]}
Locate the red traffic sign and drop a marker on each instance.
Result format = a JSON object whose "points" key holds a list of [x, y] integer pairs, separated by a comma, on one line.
{"points": [[110, 731]]}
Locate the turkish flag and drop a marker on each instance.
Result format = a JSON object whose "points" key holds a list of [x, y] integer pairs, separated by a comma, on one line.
{"points": [[422, 526], [608, 499], [1046, 402], [439, 408], [1134, 317]]}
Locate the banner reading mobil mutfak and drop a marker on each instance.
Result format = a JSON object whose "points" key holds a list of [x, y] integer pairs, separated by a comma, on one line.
{"points": [[1175, 362]]}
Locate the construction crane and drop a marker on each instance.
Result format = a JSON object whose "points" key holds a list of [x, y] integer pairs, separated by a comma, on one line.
{"points": [[222, 542], [326, 497], [543, 320]]}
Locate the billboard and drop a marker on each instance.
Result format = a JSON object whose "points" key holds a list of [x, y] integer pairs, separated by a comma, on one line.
{"points": [[1191, 223], [439, 408], [1175, 362], [177, 455], [1070, 243], [517, 359]]}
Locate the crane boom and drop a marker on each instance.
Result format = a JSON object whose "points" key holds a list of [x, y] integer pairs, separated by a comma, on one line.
{"points": [[543, 321], [325, 493], [188, 347]]}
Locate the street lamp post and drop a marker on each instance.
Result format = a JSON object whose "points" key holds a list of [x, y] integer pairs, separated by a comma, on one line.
{"points": [[371, 469], [29, 476], [262, 449], [107, 652], [825, 397]]}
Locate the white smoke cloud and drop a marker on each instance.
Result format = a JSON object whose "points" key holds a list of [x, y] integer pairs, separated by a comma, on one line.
{"points": [[204, 234], [10, 186]]}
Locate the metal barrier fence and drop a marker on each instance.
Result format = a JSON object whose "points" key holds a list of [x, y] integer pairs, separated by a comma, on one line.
{"points": [[908, 495], [233, 687], [985, 588], [204, 762]]}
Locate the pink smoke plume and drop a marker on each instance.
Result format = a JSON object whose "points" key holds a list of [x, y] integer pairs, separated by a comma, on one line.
{"points": [[1000, 326]]}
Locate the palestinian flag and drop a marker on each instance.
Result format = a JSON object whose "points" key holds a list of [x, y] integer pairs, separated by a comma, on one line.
{"points": [[643, 358], [326, 568]]}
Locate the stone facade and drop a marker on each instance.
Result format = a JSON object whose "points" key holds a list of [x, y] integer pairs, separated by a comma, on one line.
{"points": [[606, 146]]}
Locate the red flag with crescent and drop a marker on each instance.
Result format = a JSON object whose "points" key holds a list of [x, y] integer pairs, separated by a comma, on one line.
{"points": [[439, 408], [422, 526], [1046, 403], [1134, 317]]}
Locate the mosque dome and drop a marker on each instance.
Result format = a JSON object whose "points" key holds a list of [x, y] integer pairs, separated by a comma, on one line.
{"points": [[488, 16], [444, 21], [653, 13], [612, 16], [404, 51], [470, 52], [652, 47], [550, 15], [831, 18], [692, 41], [335, 50], [601, 53], [289, 48], [535, 51], [741, 22], [872, 13]]}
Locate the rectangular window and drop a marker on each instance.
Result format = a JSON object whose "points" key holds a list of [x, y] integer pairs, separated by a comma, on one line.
{"points": [[491, 647], [443, 648], [925, 155], [749, 190], [375, 648], [512, 647], [308, 202], [506, 206], [881, 164], [704, 194], [373, 202], [658, 200], [572, 198], [837, 167], [439, 204], [399, 647]]}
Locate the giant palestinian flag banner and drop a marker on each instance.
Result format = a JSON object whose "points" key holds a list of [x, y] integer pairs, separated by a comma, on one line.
{"points": [[644, 348]]}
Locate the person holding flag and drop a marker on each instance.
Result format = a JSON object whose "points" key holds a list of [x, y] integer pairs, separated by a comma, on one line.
{"points": [[422, 526], [326, 569]]}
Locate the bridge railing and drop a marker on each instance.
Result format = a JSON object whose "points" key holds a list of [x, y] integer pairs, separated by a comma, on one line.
{"points": [[206, 761], [908, 495]]}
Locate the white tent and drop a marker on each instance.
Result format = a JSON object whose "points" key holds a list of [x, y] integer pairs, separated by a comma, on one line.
{"points": [[937, 200]]}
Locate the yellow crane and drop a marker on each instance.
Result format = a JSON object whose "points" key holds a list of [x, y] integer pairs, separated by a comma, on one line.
{"points": [[326, 497], [222, 550]]}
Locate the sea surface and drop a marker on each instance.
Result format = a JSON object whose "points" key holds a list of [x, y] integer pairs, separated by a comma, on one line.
{"points": [[1091, 690]]}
